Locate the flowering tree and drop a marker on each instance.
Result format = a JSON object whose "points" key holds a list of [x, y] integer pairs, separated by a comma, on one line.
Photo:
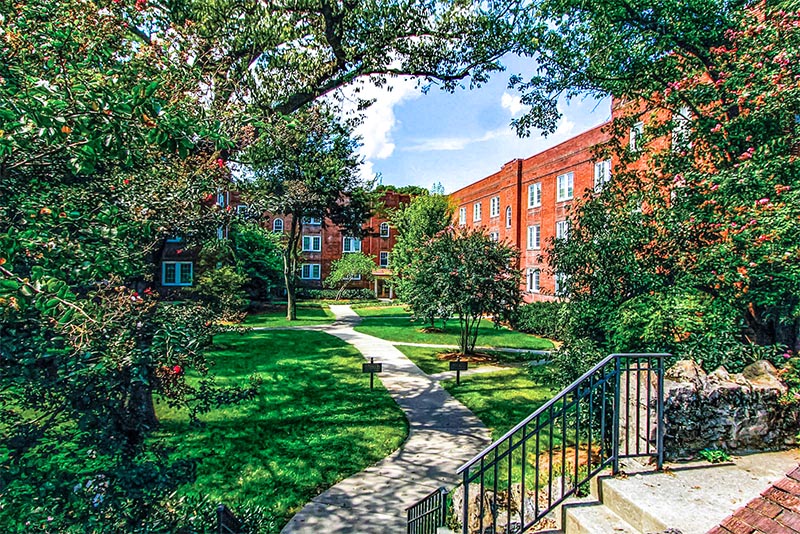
{"points": [[693, 247], [350, 267], [466, 273]]}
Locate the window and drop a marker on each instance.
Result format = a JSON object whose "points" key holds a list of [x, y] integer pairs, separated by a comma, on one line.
{"points": [[534, 237], [174, 239], [312, 221], [351, 244], [494, 236], [535, 195], [312, 243], [508, 217], [309, 271], [384, 259], [565, 182], [494, 207], [681, 130], [462, 216], [559, 284], [634, 144], [562, 229], [476, 212], [355, 277], [176, 273], [533, 276], [384, 229], [241, 210], [602, 174], [277, 225], [222, 198]]}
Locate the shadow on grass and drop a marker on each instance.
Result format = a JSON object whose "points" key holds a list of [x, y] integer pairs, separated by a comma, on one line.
{"points": [[314, 422]]}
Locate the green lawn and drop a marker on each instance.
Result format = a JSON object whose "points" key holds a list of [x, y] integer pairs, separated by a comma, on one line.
{"points": [[503, 399], [410, 332], [381, 311], [314, 423], [307, 314], [427, 358]]}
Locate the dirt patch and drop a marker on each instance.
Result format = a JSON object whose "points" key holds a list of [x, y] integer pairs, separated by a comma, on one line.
{"points": [[431, 330], [478, 357]]}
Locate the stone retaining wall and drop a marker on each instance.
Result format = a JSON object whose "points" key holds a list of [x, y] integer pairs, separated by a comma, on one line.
{"points": [[739, 412]]}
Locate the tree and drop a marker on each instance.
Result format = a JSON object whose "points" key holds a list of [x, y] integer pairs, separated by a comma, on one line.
{"points": [[105, 150], [416, 224], [306, 167], [352, 266], [466, 272], [693, 247], [258, 255]]}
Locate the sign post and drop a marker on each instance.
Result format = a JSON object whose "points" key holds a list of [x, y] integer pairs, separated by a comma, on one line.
{"points": [[371, 368], [458, 366]]}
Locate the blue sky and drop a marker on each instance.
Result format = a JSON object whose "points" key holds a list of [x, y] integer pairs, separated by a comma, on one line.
{"points": [[411, 138]]}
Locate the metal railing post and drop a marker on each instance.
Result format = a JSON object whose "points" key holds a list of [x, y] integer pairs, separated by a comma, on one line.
{"points": [[616, 415], [443, 519], [661, 416], [465, 505]]}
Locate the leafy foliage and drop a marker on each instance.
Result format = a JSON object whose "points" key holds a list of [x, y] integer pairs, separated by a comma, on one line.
{"points": [[352, 266], [466, 274], [222, 290], [258, 255], [540, 318]]}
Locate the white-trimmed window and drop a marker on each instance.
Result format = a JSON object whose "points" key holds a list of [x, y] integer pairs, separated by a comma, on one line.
{"points": [[312, 243], [462, 216], [508, 217], [355, 277], [535, 195], [476, 211], [384, 229], [383, 258], [494, 236], [635, 141], [310, 271], [241, 210], [562, 229], [682, 128], [602, 174], [534, 237], [222, 199], [312, 221], [176, 273], [351, 244], [533, 277], [277, 225], [494, 207], [564, 183]]}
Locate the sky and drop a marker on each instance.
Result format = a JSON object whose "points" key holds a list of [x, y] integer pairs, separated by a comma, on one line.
{"points": [[411, 138]]}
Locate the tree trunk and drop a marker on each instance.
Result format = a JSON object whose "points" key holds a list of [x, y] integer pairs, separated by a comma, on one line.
{"points": [[140, 416], [290, 257]]}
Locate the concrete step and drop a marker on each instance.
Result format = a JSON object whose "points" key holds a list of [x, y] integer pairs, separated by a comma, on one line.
{"points": [[691, 497], [591, 517]]}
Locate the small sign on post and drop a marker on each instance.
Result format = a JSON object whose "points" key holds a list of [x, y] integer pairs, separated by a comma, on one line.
{"points": [[371, 368], [458, 366]]}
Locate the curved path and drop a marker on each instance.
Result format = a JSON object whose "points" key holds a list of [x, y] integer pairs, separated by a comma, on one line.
{"points": [[443, 434]]}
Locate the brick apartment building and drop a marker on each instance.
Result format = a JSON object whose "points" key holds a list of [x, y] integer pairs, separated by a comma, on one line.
{"points": [[525, 204], [321, 244]]}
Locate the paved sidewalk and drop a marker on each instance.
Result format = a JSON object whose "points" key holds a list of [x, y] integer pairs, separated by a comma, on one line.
{"points": [[443, 434], [496, 349]]}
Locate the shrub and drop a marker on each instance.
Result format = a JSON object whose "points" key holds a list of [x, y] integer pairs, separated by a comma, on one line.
{"points": [[223, 290], [539, 318], [331, 294], [573, 359]]}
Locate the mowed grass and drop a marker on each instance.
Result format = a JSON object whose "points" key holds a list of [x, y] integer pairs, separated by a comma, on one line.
{"points": [[503, 399], [427, 358], [314, 422], [408, 331], [382, 311], [307, 314]]}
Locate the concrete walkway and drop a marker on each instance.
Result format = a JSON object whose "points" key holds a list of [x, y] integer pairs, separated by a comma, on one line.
{"points": [[443, 434], [496, 349]]}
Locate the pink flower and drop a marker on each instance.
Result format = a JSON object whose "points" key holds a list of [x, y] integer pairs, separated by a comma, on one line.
{"points": [[220, 162], [716, 128], [177, 369], [763, 202]]}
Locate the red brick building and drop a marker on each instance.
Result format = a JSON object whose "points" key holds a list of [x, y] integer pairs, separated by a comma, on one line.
{"points": [[525, 204]]}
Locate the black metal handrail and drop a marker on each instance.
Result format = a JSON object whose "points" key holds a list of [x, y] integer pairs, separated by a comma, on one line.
{"points": [[227, 523], [428, 514], [613, 411]]}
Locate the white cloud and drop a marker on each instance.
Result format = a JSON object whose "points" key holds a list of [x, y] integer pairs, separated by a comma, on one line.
{"points": [[512, 103], [379, 119], [457, 143]]}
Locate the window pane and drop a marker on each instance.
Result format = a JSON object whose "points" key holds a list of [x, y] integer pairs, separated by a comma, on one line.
{"points": [[186, 273], [169, 273]]}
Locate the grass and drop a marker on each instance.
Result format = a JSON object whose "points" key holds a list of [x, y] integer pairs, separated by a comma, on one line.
{"points": [[410, 332], [315, 422], [307, 314], [503, 399], [381, 311], [427, 358]]}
